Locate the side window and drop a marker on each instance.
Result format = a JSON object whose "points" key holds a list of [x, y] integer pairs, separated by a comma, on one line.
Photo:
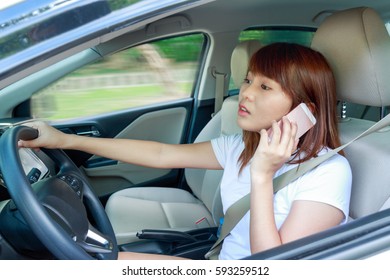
{"points": [[268, 36], [150, 73]]}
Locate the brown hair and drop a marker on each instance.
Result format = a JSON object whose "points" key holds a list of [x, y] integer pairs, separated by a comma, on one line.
{"points": [[304, 75]]}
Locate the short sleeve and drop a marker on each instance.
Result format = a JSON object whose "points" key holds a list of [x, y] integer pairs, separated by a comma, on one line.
{"points": [[223, 146], [329, 183]]}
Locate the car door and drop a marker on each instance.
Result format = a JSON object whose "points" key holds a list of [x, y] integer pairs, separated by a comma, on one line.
{"points": [[144, 92]]}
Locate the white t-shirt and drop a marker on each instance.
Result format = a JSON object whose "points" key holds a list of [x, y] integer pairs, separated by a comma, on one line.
{"points": [[329, 183]]}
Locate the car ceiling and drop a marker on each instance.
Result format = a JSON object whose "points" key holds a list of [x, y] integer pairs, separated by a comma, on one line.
{"points": [[232, 16], [274, 12]]}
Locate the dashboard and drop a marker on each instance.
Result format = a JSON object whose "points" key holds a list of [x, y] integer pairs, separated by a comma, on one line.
{"points": [[33, 165]]}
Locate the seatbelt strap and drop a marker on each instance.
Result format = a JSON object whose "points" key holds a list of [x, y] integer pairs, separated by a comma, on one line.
{"points": [[220, 85], [237, 210]]}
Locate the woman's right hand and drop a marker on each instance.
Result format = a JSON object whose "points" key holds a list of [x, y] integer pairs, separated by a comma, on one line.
{"points": [[48, 136], [272, 153]]}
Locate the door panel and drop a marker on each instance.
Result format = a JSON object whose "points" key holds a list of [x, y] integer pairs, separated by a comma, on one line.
{"points": [[165, 126]]}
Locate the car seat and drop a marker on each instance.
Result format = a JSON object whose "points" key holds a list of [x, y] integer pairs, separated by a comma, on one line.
{"points": [[133, 209], [357, 46]]}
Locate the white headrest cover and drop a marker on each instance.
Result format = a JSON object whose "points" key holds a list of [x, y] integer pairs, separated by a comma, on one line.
{"points": [[356, 44], [229, 113], [240, 60]]}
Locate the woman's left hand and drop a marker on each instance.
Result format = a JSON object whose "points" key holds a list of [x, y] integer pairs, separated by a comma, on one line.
{"points": [[272, 153]]}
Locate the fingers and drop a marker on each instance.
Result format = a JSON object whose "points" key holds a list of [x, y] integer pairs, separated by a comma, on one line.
{"points": [[45, 136], [283, 131], [35, 124], [27, 144], [288, 139], [283, 137], [293, 140]]}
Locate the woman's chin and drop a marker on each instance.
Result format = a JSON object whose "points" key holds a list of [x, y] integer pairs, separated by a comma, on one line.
{"points": [[246, 127]]}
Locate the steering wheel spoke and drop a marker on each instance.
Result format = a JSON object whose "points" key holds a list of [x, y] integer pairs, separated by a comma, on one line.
{"points": [[74, 183], [95, 242]]}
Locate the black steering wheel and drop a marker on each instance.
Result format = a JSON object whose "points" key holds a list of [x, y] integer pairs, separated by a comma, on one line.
{"points": [[55, 208]]}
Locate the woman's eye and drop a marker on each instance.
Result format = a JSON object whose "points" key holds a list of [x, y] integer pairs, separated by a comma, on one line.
{"points": [[263, 86], [247, 81]]}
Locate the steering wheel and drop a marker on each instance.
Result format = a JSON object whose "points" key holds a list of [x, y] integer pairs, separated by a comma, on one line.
{"points": [[55, 208]]}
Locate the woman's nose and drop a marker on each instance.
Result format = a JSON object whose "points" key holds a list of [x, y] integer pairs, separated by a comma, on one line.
{"points": [[247, 92]]}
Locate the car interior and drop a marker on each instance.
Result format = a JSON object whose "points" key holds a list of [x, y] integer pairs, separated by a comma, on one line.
{"points": [[178, 212], [368, 38]]}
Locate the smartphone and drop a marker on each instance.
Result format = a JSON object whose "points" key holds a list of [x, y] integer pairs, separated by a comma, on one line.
{"points": [[302, 116]]}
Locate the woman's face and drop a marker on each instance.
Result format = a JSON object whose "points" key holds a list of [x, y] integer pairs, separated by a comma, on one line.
{"points": [[261, 101]]}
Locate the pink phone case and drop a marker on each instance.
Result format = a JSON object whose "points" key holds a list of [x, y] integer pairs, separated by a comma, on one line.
{"points": [[302, 116]]}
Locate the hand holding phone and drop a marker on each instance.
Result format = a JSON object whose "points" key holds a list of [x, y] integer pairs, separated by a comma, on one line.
{"points": [[302, 116]]}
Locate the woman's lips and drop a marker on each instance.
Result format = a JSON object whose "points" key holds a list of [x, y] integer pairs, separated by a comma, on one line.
{"points": [[243, 111]]}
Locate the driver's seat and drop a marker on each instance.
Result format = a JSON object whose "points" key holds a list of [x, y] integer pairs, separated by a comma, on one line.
{"points": [[357, 46], [131, 210]]}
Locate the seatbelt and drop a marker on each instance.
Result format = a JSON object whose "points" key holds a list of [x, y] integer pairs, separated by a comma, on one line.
{"points": [[219, 89], [237, 210]]}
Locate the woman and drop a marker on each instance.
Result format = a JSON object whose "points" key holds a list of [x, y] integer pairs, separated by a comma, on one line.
{"points": [[280, 77]]}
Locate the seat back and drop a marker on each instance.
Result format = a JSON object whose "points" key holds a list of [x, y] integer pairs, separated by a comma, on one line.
{"points": [[357, 46], [205, 183]]}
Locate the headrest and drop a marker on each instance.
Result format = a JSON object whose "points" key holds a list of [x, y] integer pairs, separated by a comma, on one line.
{"points": [[229, 113], [240, 60], [356, 44]]}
